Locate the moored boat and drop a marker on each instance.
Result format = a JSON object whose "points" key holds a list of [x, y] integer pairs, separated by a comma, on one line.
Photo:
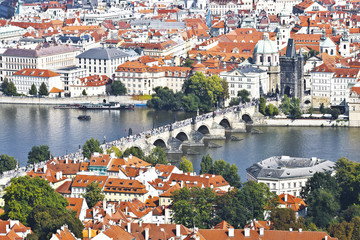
{"points": [[84, 117]]}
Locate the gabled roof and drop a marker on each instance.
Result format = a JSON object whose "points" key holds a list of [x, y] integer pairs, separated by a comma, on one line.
{"points": [[170, 191], [223, 225], [75, 204]]}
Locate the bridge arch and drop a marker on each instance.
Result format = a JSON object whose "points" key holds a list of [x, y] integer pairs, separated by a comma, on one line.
{"points": [[246, 118], [182, 136], [204, 129], [159, 142], [225, 123]]}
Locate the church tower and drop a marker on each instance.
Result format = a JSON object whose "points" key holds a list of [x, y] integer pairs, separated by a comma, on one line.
{"points": [[344, 47], [292, 72]]}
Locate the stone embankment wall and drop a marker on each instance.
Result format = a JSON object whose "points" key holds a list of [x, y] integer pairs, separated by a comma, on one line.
{"points": [[57, 101], [301, 123]]}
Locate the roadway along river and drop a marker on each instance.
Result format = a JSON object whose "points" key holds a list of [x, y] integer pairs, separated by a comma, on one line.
{"points": [[22, 127]]}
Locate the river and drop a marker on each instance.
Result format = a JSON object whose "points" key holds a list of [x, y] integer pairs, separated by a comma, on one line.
{"points": [[22, 127]]}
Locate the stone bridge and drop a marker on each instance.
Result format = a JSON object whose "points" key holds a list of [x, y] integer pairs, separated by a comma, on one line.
{"points": [[173, 136]]}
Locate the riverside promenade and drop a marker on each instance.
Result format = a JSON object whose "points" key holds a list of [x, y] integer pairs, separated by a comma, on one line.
{"points": [[64, 100]]}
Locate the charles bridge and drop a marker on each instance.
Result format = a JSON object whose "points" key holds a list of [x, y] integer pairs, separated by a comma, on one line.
{"points": [[191, 131]]}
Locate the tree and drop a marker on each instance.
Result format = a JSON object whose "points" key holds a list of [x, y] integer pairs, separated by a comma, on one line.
{"points": [[84, 93], [9, 89], [356, 230], [295, 108], [269, 110], [320, 180], [90, 147], [93, 194], [244, 95], [257, 196], [25, 193], [190, 103], [343, 231], [43, 91], [225, 93], [311, 110], [229, 172], [118, 88], [209, 90], [39, 154], [165, 99], [157, 156], [188, 63], [7, 163], [351, 212], [207, 165], [234, 101], [285, 218], [262, 105], [322, 108], [44, 221], [348, 177], [322, 207], [335, 113], [193, 207], [33, 90], [285, 105], [186, 165], [229, 205], [115, 150], [134, 151], [5, 85]]}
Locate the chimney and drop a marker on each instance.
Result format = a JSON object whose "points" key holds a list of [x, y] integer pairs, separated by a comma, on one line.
{"points": [[285, 198], [146, 233], [326, 238], [7, 228], [261, 231], [140, 224], [129, 227], [247, 232], [45, 168], [104, 204], [231, 232], [178, 234], [300, 230], [89, 232], [158, 224], [290, 229], [126, 210]]}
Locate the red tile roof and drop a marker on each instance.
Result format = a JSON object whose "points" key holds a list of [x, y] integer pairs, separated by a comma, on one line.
{"points": [[32, 72]]}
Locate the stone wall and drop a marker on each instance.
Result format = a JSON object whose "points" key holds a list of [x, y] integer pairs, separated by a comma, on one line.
{"points": [[301, 123]]}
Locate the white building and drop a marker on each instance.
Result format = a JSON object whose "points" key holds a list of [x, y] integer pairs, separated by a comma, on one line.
{"points": [[253, 79], [43, 57], [70, 74], [25, 78], [220, 8], [103, 61], [284, 174], [93, 85], [11, 32]]}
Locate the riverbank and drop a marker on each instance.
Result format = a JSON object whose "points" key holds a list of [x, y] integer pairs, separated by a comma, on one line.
{"points": [[300, 123], [58, 101]]}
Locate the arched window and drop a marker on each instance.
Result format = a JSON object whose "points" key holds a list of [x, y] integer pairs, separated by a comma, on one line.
{"points": [[269, 59], [332, 52], [261, 59]]}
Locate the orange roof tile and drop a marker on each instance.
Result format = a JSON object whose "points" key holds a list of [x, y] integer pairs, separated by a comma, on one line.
{"points": [[33, 72]]}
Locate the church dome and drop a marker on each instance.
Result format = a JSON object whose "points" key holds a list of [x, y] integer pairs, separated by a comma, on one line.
{"points": [[265, 46]]}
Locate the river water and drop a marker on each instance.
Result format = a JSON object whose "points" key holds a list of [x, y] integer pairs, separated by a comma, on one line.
{"points": [[22, 127]]}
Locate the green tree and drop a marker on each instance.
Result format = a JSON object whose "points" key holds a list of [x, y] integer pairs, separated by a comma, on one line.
{"points": [[320, 180], [234, 101], [295, 108], [84, 93], [165, 99], [90, 147], [44, 221], [269, 110], [229, 205], [25, 193], [322, 108], [257, 196], [93, 194], [190, 103], [322, 207], [10, 89], [118, 88], [157, 156], [115, 150], [194, 207], [276, 111], [356, 230], [7, 163], [207, 164], [311, 110], [225, 93], [244, 95], [186, 165], [335, 113], [33, 90], [209, 90], [5, 85], [187, 63], [285, 105], [285, 218], [134, 151], [351, 212], [39, 154], [262, 105], [229, 172], [43, 90], [343, 231], [348, 178]]}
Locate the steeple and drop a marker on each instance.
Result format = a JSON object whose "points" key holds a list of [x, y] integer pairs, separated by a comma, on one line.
{"points": [[290, 49], [323, 37]]}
